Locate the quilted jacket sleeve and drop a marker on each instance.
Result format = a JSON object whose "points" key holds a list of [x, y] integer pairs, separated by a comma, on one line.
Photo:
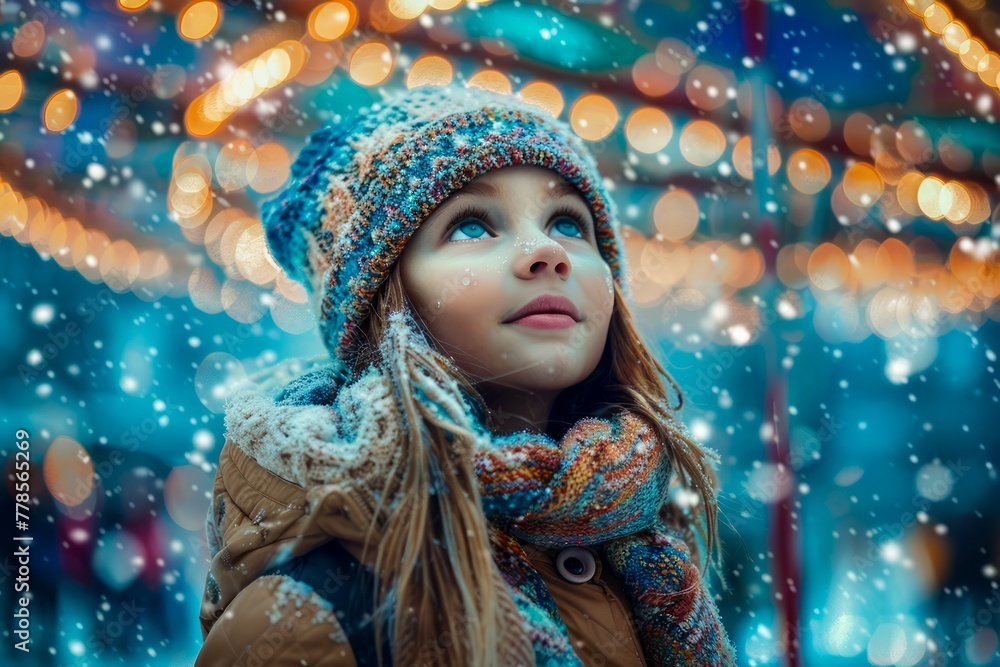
{"points": [[276, 621], [252, 620]]}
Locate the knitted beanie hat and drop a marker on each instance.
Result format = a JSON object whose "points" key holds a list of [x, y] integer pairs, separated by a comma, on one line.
{"points": [[361, 187]]}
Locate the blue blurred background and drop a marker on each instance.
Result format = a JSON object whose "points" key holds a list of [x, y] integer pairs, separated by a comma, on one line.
{"points": [[809, 195]]}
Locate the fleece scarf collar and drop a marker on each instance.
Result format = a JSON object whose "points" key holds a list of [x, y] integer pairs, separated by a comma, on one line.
{"points": [[602, 484]]}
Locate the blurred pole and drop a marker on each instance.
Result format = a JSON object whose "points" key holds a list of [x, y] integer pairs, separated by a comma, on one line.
{"points": [[783, 539]]}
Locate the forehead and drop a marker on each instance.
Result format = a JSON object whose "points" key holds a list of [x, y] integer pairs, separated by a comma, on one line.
{"points": [[502, 182]]}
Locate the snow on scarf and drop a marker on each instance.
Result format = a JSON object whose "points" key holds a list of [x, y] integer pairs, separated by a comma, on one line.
{"points": [[602, 484]]}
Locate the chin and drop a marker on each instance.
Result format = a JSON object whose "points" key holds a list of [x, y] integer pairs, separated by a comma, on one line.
{"points": [[546, 376]]}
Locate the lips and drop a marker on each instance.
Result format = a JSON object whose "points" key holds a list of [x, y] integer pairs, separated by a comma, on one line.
{"points": [[547, 304]]}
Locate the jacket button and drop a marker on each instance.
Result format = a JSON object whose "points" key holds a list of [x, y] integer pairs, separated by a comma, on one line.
{"points": [[576, 565]]}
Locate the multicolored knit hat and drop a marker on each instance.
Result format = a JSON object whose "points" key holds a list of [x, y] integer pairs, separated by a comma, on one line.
{"points": [[360, 188]]}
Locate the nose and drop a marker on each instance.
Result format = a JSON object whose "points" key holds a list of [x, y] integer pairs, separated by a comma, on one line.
{"points": [[541, 255]]}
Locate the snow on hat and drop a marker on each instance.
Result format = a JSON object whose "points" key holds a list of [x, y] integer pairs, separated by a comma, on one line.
{"points": [[360, 188]]}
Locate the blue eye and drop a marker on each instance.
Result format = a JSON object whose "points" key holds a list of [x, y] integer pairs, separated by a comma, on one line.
{"points": [[563, 222], [471, 224]]}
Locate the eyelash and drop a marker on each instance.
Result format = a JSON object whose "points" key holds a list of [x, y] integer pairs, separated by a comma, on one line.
{"points": [[471, 211]]}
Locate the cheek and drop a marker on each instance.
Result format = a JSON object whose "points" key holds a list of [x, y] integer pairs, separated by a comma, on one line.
{"points": [[459, 306], [423, 281], [422, 296], [597, 307], [466, 328], [598, 289]]}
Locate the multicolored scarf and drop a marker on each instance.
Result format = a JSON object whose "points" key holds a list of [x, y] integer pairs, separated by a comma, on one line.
{"points": [[602, 484]]}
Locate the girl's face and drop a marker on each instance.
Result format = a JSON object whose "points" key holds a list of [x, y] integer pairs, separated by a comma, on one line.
{"points": [[508, 237]]}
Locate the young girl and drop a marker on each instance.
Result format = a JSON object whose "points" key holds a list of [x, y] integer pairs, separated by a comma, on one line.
{"points": [[479, 472]]}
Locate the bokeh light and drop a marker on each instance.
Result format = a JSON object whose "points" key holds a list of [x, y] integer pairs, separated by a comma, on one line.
{"points": [[593, 117], [809, 119], [217, 376], [936, 17], [676, 215], [929, 197], [429, 70], [68, 471], [988, 68], [648, 129], [407, 9], [210, 110], [268, 167], [371, 63], [491, 79], [253, 257], [674, 56], [187, 494], [28, 39], [857, 132], [706, 87], [828, 267], [743, 158], [332, 20], [650, 79], [199, 19], [702, 143], [544, 95], [231, 164], [11, 89], [862, 184], [61, 109]]}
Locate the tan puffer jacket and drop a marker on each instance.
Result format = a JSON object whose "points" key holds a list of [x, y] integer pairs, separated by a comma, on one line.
{"points": [[272, 620]]}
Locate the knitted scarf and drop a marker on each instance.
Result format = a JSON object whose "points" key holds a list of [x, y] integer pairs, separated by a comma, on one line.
{"points": [[602, 484]]}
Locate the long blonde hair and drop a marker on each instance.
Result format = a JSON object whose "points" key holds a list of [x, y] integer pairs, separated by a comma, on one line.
{"points": [[435, 548]]}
